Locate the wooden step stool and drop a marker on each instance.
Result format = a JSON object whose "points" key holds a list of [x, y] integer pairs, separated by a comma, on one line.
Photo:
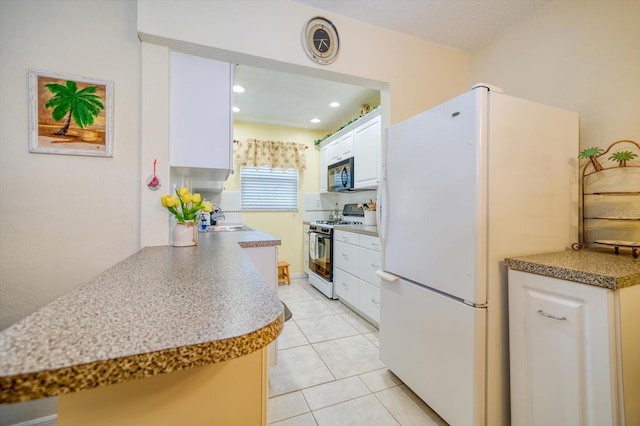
{"points": [[283, 272]]}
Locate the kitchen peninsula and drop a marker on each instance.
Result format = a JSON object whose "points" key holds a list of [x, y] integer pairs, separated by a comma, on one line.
{"points": [[204, 314]]}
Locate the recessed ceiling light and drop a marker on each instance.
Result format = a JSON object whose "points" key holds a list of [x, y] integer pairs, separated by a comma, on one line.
{"points": [[236, 109], [334, 104], [238, 89], [315, 120]]}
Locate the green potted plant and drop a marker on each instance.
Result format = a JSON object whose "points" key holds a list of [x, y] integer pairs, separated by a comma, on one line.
{"points": [[185, 208]]}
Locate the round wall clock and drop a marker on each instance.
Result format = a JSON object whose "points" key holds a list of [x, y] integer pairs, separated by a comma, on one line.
{"points": [[321, 40]]}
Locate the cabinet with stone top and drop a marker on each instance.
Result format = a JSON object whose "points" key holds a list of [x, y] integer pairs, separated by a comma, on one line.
{"points": [[573, 333]]}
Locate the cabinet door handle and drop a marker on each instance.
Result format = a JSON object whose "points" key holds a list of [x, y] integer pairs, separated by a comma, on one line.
{"points": [[375, 302], [375, 266], [344, 255], [544, 314]]}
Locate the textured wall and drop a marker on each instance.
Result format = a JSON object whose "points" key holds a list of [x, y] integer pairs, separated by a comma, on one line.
{"points": [[65, 218], [578, 55]]}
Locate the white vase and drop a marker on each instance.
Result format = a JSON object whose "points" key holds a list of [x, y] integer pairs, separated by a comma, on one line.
{"points": [[185, 234], [370, 218]]}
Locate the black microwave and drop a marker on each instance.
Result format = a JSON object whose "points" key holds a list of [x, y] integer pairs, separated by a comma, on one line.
{"points": [[340, 176]]}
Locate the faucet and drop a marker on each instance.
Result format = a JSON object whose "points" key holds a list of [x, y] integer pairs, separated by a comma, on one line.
{"points": [[217, 213]]}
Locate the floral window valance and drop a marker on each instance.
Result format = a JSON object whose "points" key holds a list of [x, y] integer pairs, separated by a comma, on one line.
{"points": [[277, 155]]}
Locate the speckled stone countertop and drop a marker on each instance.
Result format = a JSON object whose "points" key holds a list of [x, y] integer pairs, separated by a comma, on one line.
{"points": [[358, 229], [598, 267], [160, 310]]}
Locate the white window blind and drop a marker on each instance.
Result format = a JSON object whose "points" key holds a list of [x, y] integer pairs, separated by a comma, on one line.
{"points": [[264, 188]]}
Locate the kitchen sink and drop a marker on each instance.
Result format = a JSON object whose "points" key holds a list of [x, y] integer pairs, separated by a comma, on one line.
{"points": [[228, 228]]}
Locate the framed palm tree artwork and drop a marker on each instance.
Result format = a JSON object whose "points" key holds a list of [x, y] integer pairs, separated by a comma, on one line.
{"points": [[70, 115]]}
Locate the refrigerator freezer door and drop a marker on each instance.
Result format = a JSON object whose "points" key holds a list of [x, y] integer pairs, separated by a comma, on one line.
{"points": [[435, 196], [436, 346]]}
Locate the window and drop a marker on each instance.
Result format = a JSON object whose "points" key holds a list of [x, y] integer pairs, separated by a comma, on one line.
{"points": [[267, 189]]}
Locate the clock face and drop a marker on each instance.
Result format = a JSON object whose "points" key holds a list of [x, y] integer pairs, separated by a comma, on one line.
{"points": [[321, 40]]}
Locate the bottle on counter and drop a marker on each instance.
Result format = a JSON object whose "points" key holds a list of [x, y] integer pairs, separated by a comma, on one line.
{"points": [[204, 220], [336, 213]]}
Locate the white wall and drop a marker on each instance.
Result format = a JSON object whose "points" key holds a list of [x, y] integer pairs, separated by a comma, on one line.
{"points": [[413, 74], [578, 55], [76, 216], [287, 226], [268, 33], [64, 219]]}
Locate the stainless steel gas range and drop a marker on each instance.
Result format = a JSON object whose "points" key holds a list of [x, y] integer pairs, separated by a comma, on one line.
{"points": [[321, 248]]}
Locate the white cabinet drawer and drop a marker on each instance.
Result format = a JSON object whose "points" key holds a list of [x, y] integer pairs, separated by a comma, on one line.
{"points": [[369, 263], [345, 257], [369, 297], [346, 286], [346, 237], [369, 242]]}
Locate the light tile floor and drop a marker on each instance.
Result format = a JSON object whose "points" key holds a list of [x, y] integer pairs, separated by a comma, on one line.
{"points": [[329, 373]]}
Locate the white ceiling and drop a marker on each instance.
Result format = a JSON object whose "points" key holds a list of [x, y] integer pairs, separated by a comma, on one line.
{"points": [[290, 100]]}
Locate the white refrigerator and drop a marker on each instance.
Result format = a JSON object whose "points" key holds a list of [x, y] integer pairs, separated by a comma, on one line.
{"points": [[465, 184]]}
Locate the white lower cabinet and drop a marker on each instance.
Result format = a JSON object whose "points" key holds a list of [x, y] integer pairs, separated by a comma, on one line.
{"points": [[347, 286], [345, 257], [369, 300], [356, 258], [368, 264], [566, 353], [265, 259]]}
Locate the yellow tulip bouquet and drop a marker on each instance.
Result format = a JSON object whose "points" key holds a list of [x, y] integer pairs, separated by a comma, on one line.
{"points": [[185, 206]]}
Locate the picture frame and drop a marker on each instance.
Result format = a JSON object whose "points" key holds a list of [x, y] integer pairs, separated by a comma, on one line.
{"points": [[70, 115]]}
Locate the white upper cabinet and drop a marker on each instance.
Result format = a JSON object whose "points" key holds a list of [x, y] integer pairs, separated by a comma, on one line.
{"points": [[200, 121], [361, 140], [367, 142], [341, 148], [324, 163]]}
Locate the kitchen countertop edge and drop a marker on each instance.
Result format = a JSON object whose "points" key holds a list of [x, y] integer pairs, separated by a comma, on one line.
{"points": [[48, 383], [358, 229], [588, 266], [34, 383]]}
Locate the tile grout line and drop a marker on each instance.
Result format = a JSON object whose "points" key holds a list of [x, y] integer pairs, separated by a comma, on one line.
{"points": [[364, 333], [385, 407]]}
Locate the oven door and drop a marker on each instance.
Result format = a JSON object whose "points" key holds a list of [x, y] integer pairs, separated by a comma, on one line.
{"points": [[320, 255]]}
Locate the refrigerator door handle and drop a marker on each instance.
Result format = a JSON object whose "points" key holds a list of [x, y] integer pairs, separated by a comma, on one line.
{"points": [[380, 196], [387, 276]]}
